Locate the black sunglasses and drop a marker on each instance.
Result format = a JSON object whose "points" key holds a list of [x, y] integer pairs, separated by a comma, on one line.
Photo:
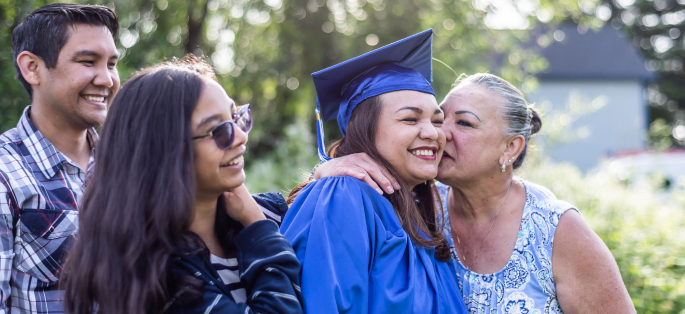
{"points": [[223, 133]]}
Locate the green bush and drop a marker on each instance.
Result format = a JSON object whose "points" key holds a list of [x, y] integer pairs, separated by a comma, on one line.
{"points": [[287, 164]]}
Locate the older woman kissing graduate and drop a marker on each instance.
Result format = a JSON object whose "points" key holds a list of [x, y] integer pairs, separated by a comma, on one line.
{"points": [[362, 252]]}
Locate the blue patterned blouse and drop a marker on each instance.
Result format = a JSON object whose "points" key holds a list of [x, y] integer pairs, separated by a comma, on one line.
{"points": [[526, 284]]}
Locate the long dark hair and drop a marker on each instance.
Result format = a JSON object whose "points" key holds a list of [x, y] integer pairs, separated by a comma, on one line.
{"points": [[416, 212], [138, 205]]}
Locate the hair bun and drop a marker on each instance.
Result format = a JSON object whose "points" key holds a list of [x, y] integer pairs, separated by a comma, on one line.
{"points": [[535, 122]]}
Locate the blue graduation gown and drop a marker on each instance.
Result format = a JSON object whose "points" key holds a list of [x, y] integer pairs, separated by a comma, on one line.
{"points": [[357, 258]]}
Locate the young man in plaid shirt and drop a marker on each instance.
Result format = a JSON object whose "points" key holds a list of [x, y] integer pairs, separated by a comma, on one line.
{"points": [[66, 58]]}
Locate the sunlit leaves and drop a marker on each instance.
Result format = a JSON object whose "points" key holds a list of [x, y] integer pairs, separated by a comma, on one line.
{"points": [[639, 221], [655, 27]]}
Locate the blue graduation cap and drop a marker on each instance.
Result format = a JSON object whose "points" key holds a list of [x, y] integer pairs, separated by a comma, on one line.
{"points": [[402, 65]]}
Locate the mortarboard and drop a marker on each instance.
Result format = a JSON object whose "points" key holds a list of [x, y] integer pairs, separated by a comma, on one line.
{"points": [[402, 65]]}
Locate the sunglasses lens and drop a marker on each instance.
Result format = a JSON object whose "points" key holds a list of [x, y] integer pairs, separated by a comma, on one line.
{"points": [[223, 135], [243, 118]]}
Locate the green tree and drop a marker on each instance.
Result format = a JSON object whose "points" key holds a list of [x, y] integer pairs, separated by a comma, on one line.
{"points": [[13, 97], [265, 51], [656, 28]]}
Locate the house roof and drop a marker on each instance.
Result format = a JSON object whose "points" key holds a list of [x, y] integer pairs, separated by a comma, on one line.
{"points": [[594, 54]]}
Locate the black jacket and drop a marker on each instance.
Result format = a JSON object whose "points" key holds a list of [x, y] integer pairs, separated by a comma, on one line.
{"points": [[268, 270]]}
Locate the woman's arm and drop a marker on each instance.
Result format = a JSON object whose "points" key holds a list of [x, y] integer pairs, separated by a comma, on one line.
{"points": [[359, 166], [586, 275], [268, 270]]}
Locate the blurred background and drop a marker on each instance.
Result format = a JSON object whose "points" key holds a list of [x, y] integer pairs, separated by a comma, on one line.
{"points": [[606, 74]]}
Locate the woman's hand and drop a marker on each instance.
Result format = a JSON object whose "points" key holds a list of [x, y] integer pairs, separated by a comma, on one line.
{"points": [[241, 207], [362, 167]]}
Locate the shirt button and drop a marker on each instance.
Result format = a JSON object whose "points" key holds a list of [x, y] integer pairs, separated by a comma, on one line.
{"points": [[51, 229]]}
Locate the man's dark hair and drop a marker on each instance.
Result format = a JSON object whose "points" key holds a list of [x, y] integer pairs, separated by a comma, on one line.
{"points": [[45, 31]]}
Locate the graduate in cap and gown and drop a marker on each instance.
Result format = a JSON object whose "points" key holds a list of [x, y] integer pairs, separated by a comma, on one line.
{"points": [[361, 251]]}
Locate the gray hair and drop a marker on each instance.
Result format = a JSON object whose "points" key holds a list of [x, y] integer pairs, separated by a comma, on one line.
{"points": [[521, 119]]}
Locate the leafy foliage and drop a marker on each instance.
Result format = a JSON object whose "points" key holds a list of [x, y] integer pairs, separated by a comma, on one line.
{"points": [[642, 226], [656, 28], [639, 220], [265, 51], [13, 97]]}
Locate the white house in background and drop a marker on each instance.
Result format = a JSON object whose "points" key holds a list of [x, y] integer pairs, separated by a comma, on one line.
{"points": [[595, 86]]}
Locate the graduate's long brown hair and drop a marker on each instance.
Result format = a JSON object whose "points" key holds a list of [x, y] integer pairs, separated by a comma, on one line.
{"points": [[418, 217]]}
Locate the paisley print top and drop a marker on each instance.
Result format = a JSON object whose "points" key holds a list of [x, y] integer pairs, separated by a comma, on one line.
{"points": [[526, 284]]}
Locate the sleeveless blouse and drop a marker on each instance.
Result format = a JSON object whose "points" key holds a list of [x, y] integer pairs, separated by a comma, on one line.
{"points": [[526, 283]]}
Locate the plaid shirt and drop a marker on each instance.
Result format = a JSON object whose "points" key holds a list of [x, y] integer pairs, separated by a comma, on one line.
{"points": [[40, 190]]}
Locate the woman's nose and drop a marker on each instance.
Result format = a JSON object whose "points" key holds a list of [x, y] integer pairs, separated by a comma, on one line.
{"points": [[240, 136], [429, 132]]}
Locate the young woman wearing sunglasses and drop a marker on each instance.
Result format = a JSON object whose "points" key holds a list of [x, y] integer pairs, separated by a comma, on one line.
{"points": [[158, 231]]}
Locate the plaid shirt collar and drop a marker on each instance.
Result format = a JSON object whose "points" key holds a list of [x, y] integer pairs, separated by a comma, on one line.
{"points": [[48, 159]]}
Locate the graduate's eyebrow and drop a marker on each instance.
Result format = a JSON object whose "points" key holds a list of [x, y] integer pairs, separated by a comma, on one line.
{"points": [[466, 111], [418, 110], [414, 109]]}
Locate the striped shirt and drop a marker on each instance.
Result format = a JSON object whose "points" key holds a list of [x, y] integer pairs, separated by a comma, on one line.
{"points": [[267, 267], [228, 269], [39, 192]]}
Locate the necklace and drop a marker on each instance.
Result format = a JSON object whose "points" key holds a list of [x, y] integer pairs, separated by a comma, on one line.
{"points": [[486, 235]]}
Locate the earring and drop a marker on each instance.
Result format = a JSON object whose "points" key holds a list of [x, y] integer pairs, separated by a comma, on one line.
{"points": [[509, 159], [504, 167]]}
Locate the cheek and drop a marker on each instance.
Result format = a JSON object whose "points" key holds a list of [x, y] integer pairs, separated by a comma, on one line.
{"points": [[475, 150], [393, 142], [75, 83], [200, 167], [115, 79], [467, 145], [383, 145], [76, 74], [206, 161], [442, 138]]}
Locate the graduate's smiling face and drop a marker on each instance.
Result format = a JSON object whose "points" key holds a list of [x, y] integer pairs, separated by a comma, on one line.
{"points": [[409, 134], [216, 170]]}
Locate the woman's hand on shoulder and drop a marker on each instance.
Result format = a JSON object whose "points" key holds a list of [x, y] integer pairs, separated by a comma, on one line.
{"points": [[241, 207], [362, 167], [585, 273]]}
